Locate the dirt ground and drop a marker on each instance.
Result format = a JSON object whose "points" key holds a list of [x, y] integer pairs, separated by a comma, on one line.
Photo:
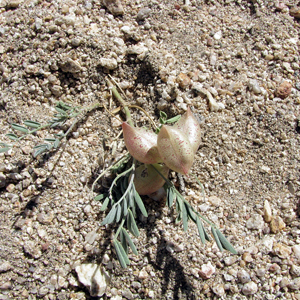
{"points": [[235, 63]]}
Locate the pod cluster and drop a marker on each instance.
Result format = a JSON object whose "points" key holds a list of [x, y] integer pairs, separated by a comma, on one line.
{"points": [[174, 146]]}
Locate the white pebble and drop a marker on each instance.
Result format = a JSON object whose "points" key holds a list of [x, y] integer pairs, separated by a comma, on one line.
{"points": [[218, 35], [267, 211], [108, 63], [296, 250], [95, 279], [250, 288], [255, 222]]}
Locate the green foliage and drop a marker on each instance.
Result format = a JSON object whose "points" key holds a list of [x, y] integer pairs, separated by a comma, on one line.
{"points": [[124, 202], [163, 119], [64, 113], [186, 212]]}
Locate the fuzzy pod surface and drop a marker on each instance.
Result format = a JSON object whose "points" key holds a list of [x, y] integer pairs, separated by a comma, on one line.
{"points": [[141, 144], [190, 126], [147, 180], [175, 149]]}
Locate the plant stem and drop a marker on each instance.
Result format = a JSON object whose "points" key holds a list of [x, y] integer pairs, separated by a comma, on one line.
{"points": [[33, 131], [121, 101], [119, 176], [123, 158]]}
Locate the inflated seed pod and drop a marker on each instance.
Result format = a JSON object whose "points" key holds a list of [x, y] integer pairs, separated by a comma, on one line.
{"points": [[175, 149], [147, 180], [190, 126], [141, 144]]}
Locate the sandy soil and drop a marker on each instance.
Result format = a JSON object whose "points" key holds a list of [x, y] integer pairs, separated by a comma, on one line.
{"points": [[235, 63]]}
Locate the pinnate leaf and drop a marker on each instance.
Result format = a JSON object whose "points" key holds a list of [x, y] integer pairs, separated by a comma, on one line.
{"points": [[123, 241], [110, 217], [131, 224], [140, 204], [122, 256], [19, 128], [201, 230], [12, 136], [4, 149], [32, 124], [225, 243], [171, 196], [129, 241], [216, 237]]}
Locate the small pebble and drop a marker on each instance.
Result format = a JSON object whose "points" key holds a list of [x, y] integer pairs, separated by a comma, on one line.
{"points": [[281, 250], [69, 65], [76, 42], [249, 288], [247, 257], [284, 282], [255, 222], [243, 276], [267, 212], [183, 80], [91, 237], [277, 224], [274, 268], [296, 250], [207, 270], [218, 35], [215, 201], [43, 291], [295, 270], [65, 9], [254, 86], [284, 90], [218, 289], [5, 266], [13, 3], [32, 249], [230, 260], [6, 285], [114, 6], [127, 294], [143, 274], [280, 5], [93, 277], [295, 12], [56, 90], [108, 63], [143, 14], [44, 218], [294, 284], [260, 272]]}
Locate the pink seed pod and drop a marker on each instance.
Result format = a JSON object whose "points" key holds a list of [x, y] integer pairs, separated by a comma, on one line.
{"points": [[175, 149], [141, 144], [147, 180], [189, 125]]}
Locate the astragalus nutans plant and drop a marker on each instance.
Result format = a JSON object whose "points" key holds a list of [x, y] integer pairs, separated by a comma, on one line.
{"points": [[143, 170]]}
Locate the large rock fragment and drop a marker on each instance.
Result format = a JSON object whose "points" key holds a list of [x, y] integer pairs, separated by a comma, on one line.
{"points": [[93, 277]]}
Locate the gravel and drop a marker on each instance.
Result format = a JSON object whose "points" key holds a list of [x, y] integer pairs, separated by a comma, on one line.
{"points": [[236, 64]]}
